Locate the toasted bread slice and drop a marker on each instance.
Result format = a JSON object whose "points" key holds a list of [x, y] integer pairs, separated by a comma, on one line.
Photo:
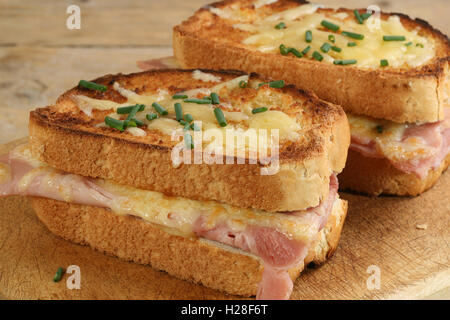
{"points": [[237, 34], [376, 176], [209, 263], [76, 141]]}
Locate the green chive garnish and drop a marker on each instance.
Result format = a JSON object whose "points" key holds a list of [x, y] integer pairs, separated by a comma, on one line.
{"points": [[179, 96], [325, 47], [344, 62], [114, 123], [337, 49], [215, 98], [242, 84], [198, 101], [128, 109], [259, 110], [92, 85], [220, 117], [160, 109], [178, 111], [188, 141], [408, 44], [331, 38], [394, 38], [353, 35], [379, 129], [283, 50], [351, 44], [194, 127], [58, 274], [419, 45], [188, 117], [384, 63], [329, 25], [308, 36], [358, 16], [366, 16], [276, 84], [137, 121], [316, 55], [151, 116], [187, 126], [281, 25], [305, 51], [295, 52]]}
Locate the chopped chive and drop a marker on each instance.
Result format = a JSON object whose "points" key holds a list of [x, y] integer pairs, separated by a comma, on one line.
{"points": [[188, 117], [137, 121], [305, 51], [329, 25], [195, 127], [408, 44], [129, 123], [242, 84], [92, 85], [419, 45], [188, 141], [325, 47], [308, 36], [295, 52], [151, 116], [220, 117], [351, 44], [276, 84], [215, 98], [198, 101], [281, 25], [182, 122], [179, 96], [344, 62], [58, 274], [331, 38], [384, 63], [358, 17], [178, 111], [114, 123], [366, 16], [134, 110], [160, 109], [259, 110], [379, 129], [283, 50], [187, 126], [337, 49], [394, 38], [353, 35], [316, 55], [128, 109]]}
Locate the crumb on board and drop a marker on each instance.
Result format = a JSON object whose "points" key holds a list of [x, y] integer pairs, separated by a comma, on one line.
{"points": [[422, 226]]}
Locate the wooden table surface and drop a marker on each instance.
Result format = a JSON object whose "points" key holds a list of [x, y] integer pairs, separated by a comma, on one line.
{"points": [[40, 58]]}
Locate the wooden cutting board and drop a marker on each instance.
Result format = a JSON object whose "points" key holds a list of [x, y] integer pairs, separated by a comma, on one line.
{"points": [[408, 239]]}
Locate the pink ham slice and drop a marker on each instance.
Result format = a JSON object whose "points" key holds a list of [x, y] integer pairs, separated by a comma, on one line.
{"points": [[435, 135], [276, 250]]}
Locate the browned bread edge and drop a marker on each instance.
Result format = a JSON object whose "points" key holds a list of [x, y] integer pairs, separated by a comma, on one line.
{"points": [[134, 239]]}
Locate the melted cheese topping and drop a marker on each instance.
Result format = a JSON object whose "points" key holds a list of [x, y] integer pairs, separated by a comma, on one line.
{"points": [[368, 52], [389, 141], [240, 119]]}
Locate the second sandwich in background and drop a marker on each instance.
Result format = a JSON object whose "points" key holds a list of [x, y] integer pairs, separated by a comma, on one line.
{"points": [[388, 72]]}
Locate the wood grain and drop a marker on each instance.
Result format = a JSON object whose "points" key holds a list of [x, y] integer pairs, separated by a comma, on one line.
{"points": [[414, 263]]}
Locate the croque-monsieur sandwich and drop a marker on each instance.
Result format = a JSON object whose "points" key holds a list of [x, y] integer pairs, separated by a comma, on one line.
{"points": [[106, 166], [388, 72]]}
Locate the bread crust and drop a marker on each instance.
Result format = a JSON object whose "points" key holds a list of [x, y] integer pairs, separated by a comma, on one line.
{"points": [[68, 141], [374, 176], [400, 95], [133, 239]]}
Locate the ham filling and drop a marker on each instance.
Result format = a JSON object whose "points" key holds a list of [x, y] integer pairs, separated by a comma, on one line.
{"points": [[434, 135], [277, 252]]}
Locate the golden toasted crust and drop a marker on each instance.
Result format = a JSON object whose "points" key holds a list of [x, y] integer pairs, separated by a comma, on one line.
{"points": [[377, 176], [402, 95], [65, 138], [215, 266]]}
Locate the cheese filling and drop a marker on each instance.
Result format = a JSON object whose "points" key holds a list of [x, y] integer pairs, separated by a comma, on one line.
{"points": [[414, 51]]}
